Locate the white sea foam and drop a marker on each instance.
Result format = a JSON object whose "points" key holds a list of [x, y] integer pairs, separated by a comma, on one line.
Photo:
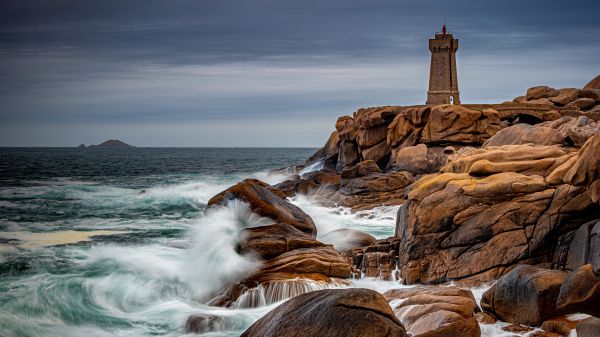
{"points": [[379, 222]]}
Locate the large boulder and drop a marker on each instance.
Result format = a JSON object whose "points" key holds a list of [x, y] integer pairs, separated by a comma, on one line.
{"points": [[458, 124], [418, 159], [264, 202], [541, 92], [580, 292], [435, 311], [347, 313], [584, 247], [526, 295]]}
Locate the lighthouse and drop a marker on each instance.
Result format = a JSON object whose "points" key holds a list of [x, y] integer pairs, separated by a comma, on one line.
{"points": [[443, 82]]}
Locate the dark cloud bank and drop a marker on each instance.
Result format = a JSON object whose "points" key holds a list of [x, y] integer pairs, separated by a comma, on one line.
{"points": [[263, 73]]}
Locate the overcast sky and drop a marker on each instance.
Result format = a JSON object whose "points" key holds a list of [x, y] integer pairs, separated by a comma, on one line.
{"points": [[264, 72]]}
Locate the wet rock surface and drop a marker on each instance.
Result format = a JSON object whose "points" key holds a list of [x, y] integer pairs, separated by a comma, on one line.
{"points": [[348, 312], [435, 311], [526, 295]]}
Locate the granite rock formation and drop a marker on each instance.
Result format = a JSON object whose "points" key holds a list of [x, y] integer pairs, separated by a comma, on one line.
{"points": [[347, 313]]}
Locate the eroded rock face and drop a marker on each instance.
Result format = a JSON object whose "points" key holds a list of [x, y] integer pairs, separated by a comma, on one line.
{"points": [[511, 199], [526, 295], [435, 311], [458, 124], [271, 241], [264, 202], [343, 312], [584, 247], [418, 159]]}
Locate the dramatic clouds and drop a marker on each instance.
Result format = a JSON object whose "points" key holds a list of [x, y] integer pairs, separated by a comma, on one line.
{"points": [[263, 72]]}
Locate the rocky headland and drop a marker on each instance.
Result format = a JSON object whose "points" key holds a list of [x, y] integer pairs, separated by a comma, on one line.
{"points": [[504, 195]]}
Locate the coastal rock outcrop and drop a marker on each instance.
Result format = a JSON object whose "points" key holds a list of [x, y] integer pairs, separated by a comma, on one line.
{"points": [[430, 311], [526, 295], [267, 202], [511, 198], [343, 312]]}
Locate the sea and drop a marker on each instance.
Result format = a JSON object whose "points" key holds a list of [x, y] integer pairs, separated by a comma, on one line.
{"points": [[116, 242]]}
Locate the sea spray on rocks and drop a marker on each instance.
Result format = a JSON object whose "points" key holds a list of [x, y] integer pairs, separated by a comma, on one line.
{"points": [[212, 260]]}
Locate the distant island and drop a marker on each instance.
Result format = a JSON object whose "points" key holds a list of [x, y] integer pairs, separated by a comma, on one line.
{"points": [[109, 144]]}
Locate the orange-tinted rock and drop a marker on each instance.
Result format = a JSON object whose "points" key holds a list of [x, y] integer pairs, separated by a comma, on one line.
{"points": [[345, 128], [458, 124], [593, 84], [417, 159], [323, 177], [271, 241], [265, 203], [378, 152], [328, 153], [526, 295], [371, 136], [343, 312], [586, 169], [435, 311], [405, 129], [541, 92], [348, 155], [370, 117], [378, 182], [559, 325], [580, 292], [295, 186], [362, 169], [582, 103]]}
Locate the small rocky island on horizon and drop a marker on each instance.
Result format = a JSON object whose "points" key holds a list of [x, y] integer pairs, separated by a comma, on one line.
{"points": [[109, 144]]}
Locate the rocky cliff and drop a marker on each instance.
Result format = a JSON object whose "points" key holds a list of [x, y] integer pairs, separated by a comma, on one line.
{"points": [[505, 192]]}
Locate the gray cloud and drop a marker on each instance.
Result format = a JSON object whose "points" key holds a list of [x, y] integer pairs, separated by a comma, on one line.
{"points": [[77, 71]]}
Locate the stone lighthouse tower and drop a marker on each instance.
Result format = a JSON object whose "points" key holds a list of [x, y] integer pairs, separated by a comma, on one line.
{"points": [[443, 82]]}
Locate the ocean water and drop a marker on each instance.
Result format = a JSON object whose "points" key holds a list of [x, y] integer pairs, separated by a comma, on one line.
{"points": [[116, 242]]}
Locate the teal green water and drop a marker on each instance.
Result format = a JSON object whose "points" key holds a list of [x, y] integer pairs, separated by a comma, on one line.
{"points": [[164, 260]]}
